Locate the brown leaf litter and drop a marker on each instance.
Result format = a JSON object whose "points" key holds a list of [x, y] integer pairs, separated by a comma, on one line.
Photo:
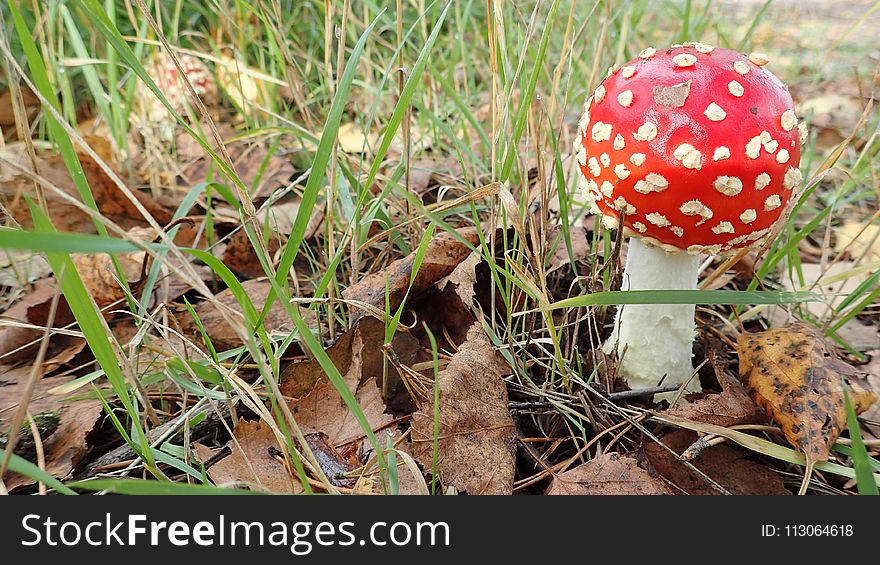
{"points": [[797, 378], [608, 474], [728, 466], [476, 444], [67, 444]]}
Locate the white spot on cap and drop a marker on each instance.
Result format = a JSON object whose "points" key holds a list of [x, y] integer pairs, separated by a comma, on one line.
{"points": [[637, 159], [625, 98], [607, 189], [684, 60], [610, 222], [604, 159], [582, 156], [594, 167], [621, 171], [729, 186], [759, 59], [612, 69], [703, 48], [765, 136], [628, 71], [583, 123], [619, 143], [741, 67], [788, 120], [735, 88], [696, 208], [803, 133], [647, 53], [783, 156], [594, 188], [792, 178], [770, 146], [658, 219], [773, 202], [723, 227], [721, 153], [640, 227], [761, 181], [715, 112], [689, 156], [753, 147], [651, 183], [748, 216], [624, 206], [599, 95], [646, 132], [677, 231], [601, 131]]}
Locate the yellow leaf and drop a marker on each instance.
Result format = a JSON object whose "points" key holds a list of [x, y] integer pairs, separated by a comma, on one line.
{"points": [[796, 377]]}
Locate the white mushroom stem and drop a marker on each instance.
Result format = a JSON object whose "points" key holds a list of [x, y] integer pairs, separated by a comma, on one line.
{"points": [[658, 338]]}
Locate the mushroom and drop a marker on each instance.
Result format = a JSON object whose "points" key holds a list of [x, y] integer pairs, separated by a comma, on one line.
{"points": [[694, 150]]}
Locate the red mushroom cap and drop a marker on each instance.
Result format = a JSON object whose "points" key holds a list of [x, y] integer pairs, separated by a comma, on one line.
{"points": [[696, 145]]}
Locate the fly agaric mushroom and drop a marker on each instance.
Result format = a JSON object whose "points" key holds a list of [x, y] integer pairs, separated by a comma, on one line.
{"points": [[693, 150], [164, 72]]}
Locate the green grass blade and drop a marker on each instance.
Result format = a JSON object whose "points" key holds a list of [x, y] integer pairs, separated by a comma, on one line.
{"points": [[861, 462], [154, 488], [24, 467], [729, 297]]}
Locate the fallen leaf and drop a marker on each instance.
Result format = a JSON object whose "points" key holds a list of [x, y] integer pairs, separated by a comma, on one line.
{"points": [[260, 168], [241, 258], [99, 275], [796, 377], [858, 239], [726, 465], [224, 336], [442, 256], [580, 247], [66, 446], [18, 344], [731, 407], [353, 140], [7, 115], [608, 474], [476, 443], [358, 357], [252, 461], [15, 183], [674, 95], [21, 268]]}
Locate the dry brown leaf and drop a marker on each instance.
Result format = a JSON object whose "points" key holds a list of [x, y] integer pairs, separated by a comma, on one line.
{"points": [[477, 445], [240, 256], [222, 335], [260, 172], [442, 255], [611, 474], [34, 309], [730, 407], [14, 184], [99, 274], [726, 465], [67, 444], [254, 461], [7, 116], [357, 356], [796, 377], [580, 247]]}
